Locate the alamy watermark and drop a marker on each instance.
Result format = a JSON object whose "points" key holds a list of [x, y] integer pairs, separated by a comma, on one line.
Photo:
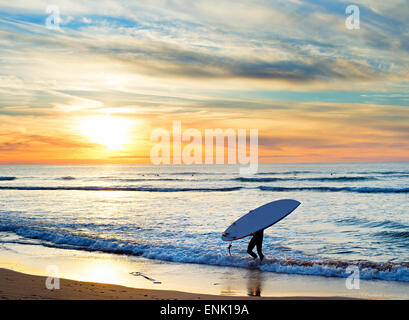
{"points": [[52, 22], [352, 21], [352, 281], [187, 147], [53, 280]]}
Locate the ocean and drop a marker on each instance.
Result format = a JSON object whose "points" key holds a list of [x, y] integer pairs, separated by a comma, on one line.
{"points": [[350, 214]]}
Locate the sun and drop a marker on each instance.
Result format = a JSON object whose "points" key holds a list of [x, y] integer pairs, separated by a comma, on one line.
{"points": [[111, 132]]}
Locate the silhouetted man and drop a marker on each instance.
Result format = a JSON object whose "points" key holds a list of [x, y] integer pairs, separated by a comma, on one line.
{"points": [[256, 240]]}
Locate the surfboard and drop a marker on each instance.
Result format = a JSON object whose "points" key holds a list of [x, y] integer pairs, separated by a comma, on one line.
{"points": [[259, 219]]}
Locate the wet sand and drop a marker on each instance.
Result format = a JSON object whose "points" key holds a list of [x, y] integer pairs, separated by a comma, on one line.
{"points": [[20, 286]]}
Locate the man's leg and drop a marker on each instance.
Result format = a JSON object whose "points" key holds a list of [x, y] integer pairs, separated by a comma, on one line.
{"points": [[252, 244], [259, 244]]}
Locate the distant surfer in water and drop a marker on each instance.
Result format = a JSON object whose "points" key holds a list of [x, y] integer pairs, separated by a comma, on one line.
{"points": [[256, 240]]}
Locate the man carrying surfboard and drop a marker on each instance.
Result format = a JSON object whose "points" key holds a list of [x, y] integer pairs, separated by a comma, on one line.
{"points": [[255, 221], [256, 240]]}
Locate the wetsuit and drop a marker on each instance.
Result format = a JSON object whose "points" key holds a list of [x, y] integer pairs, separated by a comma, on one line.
{"points": [[257, 240]]}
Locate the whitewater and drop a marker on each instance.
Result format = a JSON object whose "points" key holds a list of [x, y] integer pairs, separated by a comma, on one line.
{"points": [[351, 214]]}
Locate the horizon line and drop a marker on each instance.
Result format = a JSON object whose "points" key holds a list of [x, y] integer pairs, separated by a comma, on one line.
{"points": [[195, 164]]}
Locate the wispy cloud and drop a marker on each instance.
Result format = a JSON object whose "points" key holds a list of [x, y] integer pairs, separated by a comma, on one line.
{"points": [[291, 68]]}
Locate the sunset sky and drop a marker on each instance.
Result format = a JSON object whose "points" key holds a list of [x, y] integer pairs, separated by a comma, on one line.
{"points": [[93, 90]]}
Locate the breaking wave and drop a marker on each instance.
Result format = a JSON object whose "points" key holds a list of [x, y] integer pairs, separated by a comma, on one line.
{"points": [[187, 254]]}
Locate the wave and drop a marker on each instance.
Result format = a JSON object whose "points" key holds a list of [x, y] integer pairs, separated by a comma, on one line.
{"points": [[285, 172], [367, 223], [336, 189], [321, 179], [7, 178], [384, 172], [341, 179], [66, 178], [396, 235], [147, 189], [392, 271], [244, 179], [193, 173], [145, 179], [161, 174], [225, 189]]}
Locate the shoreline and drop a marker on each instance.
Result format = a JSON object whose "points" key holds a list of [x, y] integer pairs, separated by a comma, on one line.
{"points": [[21, 286], [94, 275]]}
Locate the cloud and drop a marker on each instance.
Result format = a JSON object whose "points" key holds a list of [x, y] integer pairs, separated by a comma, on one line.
{"points": [[29, 141], [12, 146], [162, 49], [287, 67]]}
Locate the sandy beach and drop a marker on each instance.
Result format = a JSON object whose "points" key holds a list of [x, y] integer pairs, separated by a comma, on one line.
{"points": [[20, 286], [95, 276]]}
